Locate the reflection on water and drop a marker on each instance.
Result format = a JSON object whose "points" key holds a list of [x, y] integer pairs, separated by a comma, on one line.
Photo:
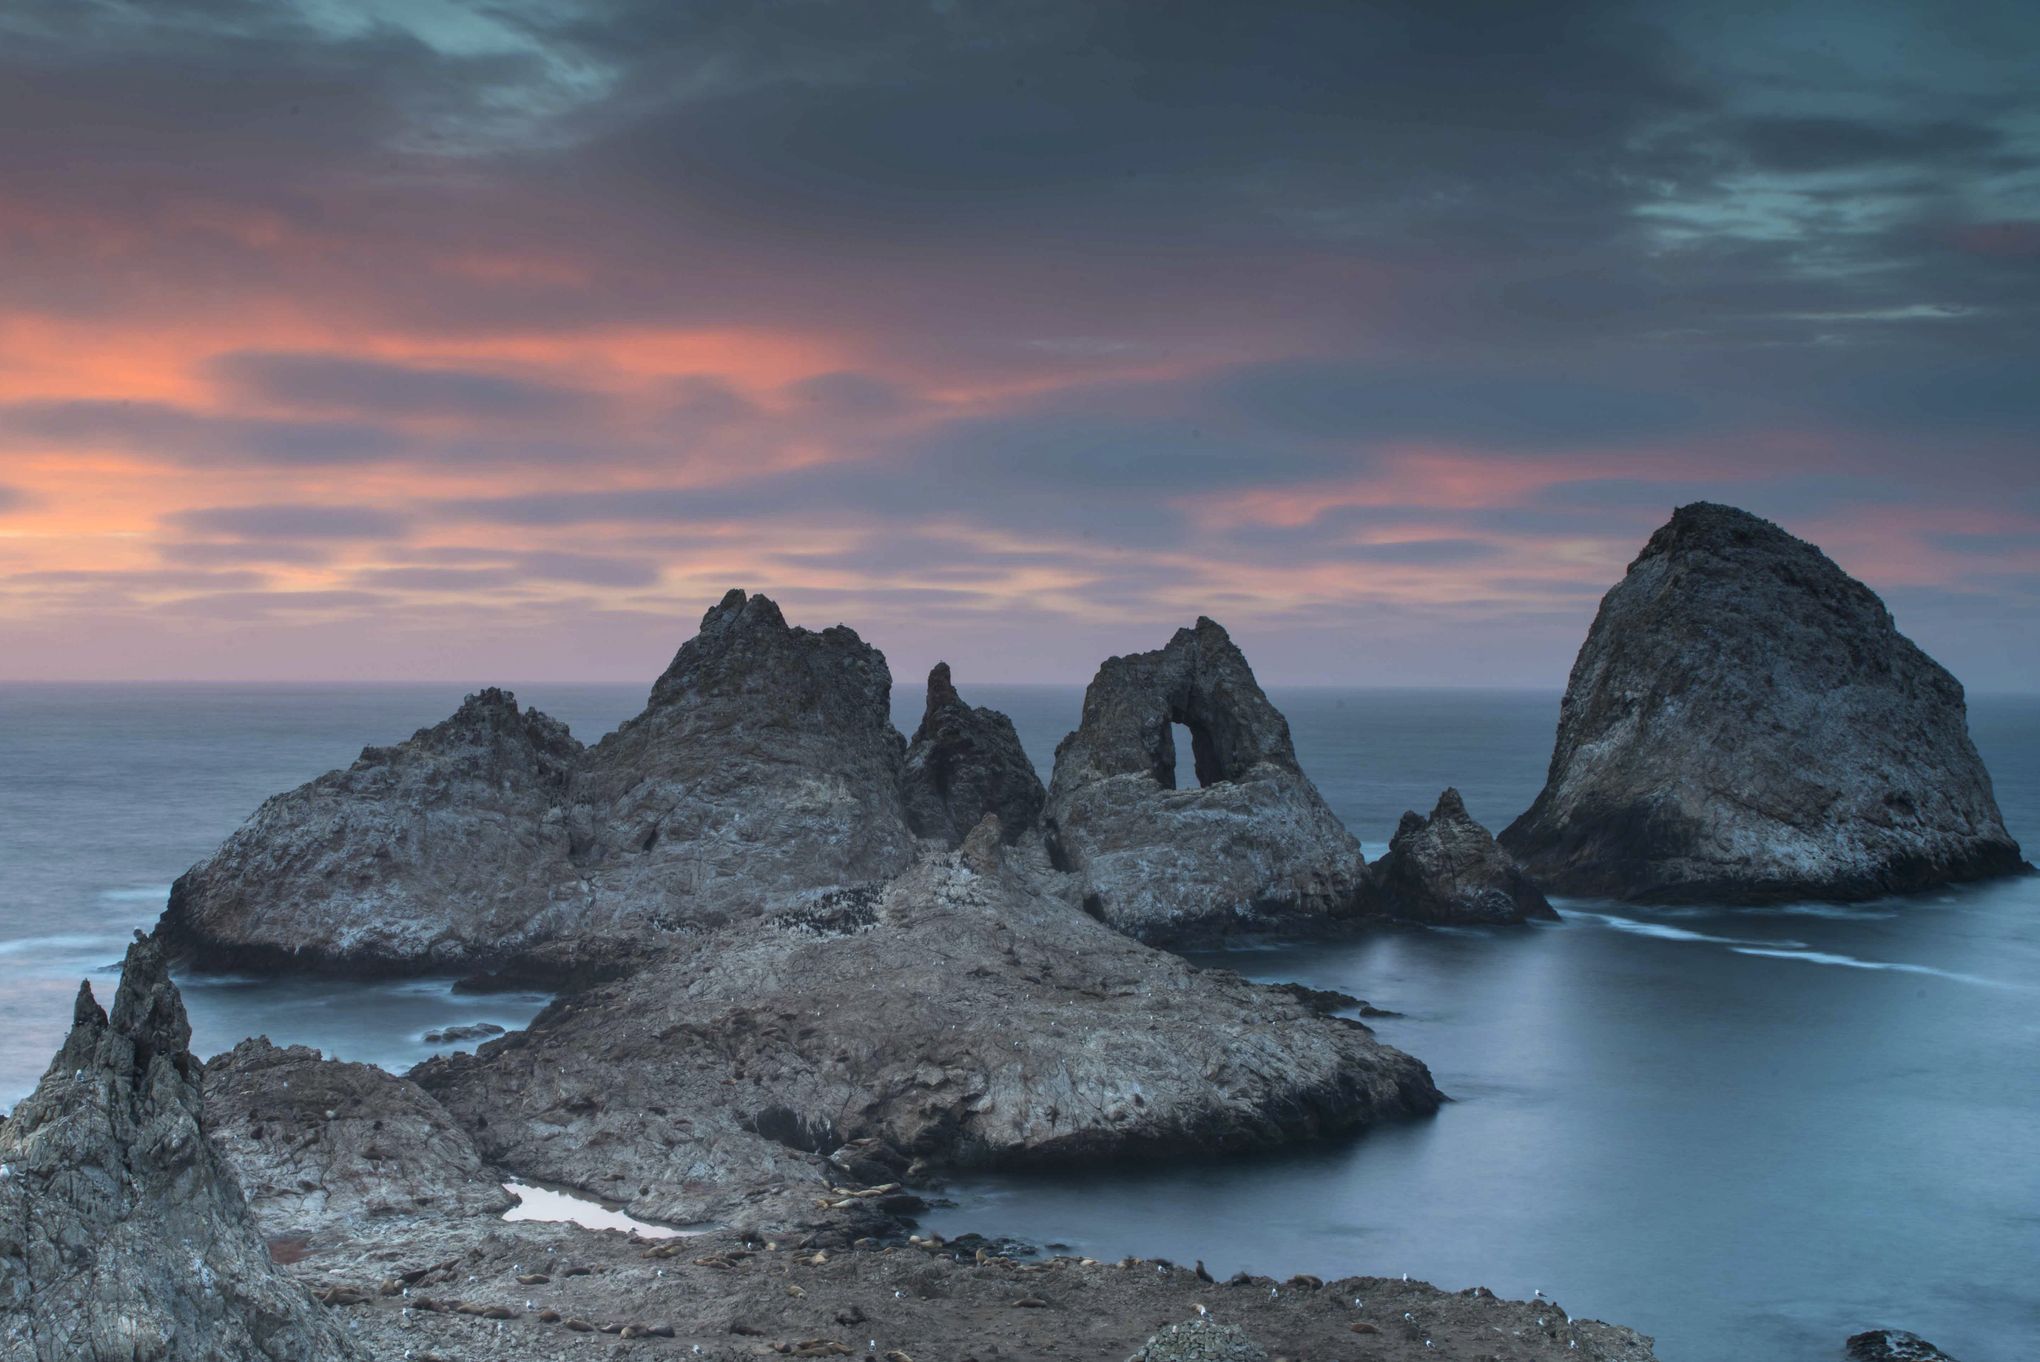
{"points": [[546, 1203]]}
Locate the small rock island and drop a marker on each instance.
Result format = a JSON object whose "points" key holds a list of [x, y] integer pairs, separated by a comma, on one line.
{"points": [[1745, 725]]}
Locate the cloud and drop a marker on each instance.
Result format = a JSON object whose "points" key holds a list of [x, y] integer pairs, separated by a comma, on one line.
{"points": [[1816, 144], [293, 521], [338, 383], [166, 430]]}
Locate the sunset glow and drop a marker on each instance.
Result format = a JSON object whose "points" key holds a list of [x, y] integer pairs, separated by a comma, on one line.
{"points": [[497, 345]]}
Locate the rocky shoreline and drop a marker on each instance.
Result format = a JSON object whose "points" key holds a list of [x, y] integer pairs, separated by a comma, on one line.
{"points": [[806, 967]]}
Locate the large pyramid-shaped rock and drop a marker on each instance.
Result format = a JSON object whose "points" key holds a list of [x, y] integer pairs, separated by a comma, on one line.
{"points": [[1251, 846], [1744, 724], [122, 1235], [765, 766]]}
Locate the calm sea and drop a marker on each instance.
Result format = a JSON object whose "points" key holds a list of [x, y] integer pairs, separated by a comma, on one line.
{"points": [[1746, 1132]]}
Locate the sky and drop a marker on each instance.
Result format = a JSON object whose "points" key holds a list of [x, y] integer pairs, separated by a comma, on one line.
{"points": [[421, 339]]}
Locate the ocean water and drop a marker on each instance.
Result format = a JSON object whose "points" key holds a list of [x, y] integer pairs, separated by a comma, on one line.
{"points": [[1748, 1133]]}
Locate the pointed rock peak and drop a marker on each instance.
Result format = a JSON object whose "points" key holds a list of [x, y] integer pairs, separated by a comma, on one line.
{"points": [[1450, 808], [1711, 526], [87, 1011], [739, 610], [1211, 630], [147, 1009], [941, 690]]}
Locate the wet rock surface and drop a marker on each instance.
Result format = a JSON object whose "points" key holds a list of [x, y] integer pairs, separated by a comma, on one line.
{"points": [[419, 856], [952, 1019], [1446, 868], [1249, 847], [122, 1233], [323, 1148], [1745, 724], [964, 763], [1892, 1345]]}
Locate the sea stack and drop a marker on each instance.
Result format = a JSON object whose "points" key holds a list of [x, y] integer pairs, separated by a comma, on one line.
{"points": [[1744, 724], [122, 1234], [1251, 846], [1445, 868], [443, 850], [964, 763]]}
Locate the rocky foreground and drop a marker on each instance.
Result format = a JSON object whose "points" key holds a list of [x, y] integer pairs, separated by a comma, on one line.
{"points": [[371, 1231], [1745, 724]]}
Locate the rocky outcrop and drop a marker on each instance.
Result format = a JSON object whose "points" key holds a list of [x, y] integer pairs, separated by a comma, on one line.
{"points": [[1251, 847], [450, 846], [122, 1235], [1200, 1340], [1893, 1345], [1744, 724], [955, 1018], [1446, 868], [324, 1148], [963, 764], [765, 767]]}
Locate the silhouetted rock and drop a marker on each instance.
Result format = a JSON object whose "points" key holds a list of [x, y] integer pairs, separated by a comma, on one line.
{"points": [[1446, 868], [324, 1147], [1744, 724], [765, 766], [965, 763], [1893, 1345], [444, 849], [122, 1235], [957, 1016], [1252, 847]]}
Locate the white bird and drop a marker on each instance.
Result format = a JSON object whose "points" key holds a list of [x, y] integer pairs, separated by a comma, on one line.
{"points": [[1410, 1317], [1406, 1276], [1201, 1311], [1537, 1295], [1273, 1293]]}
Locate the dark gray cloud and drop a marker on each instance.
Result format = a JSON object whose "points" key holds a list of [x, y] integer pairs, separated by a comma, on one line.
{"points": [[1805, 144], [336, 383], [212, 553], [171, 432], [12, 499], [293, 521]]}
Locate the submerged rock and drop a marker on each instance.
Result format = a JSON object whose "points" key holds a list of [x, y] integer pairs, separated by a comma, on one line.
{"points": [[1893, 1345], [965, 763], [324, 1147], [958, 1018], [1446, 868], [1744, 724], [449, 847], [122, 1234], [1252, 847]]}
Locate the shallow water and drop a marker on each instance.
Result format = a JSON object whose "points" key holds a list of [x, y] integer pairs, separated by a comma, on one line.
{"points": [[1747, 1132]]}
